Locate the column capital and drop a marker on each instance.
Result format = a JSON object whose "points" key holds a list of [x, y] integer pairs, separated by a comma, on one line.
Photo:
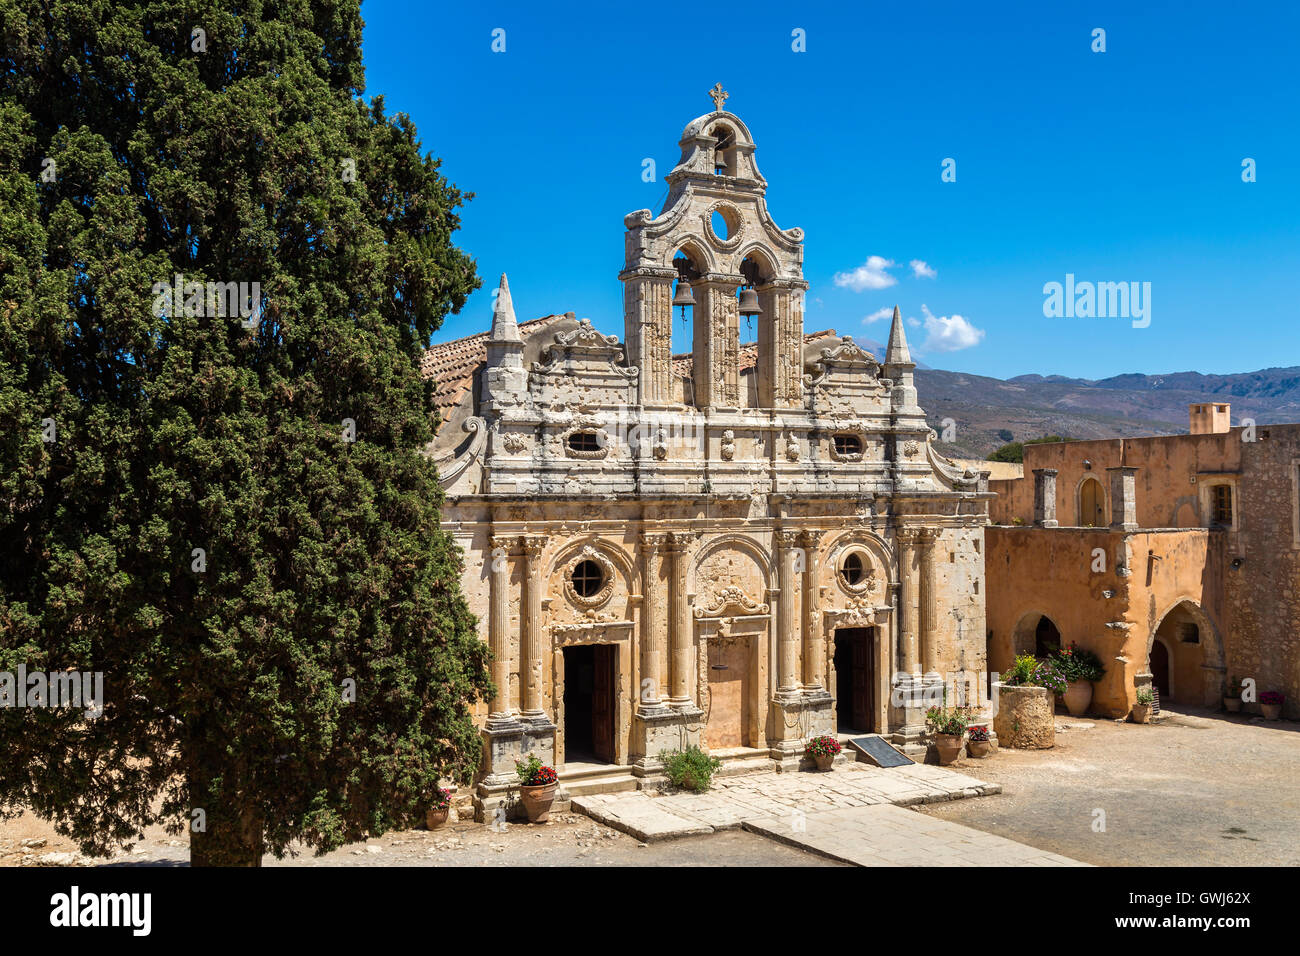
{"points": [[532, 545], [787, 539], [652, 541], [509, 543], [679, 541], [812, 538]]}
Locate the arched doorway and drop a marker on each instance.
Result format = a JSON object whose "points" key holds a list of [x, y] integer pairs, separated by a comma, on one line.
{"points": [[1185, 656], [1160, 669], [1092, 504], [1036, 634]]}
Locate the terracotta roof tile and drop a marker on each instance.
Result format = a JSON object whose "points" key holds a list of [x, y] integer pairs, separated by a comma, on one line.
{"points": [[453, 365]]}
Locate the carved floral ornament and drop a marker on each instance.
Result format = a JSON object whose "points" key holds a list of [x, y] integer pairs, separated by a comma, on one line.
{"points": [[589, 553], [731, 601]]}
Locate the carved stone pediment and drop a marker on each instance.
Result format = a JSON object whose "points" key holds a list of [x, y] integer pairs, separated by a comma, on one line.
{"points": [[731, 602], [585, 345]]}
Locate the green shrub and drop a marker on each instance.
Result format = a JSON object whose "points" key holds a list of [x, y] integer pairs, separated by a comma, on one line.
{"points": [[691, 768], [1145, 697]]}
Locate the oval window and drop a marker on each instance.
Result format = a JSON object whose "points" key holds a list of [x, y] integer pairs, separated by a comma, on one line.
{"points": [[584, 441], [588, 578], [852, 569]]}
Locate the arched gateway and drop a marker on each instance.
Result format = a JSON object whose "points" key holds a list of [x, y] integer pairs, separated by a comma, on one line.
{"points": [[666, 550]]}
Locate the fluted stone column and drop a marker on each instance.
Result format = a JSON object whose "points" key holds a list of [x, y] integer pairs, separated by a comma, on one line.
{"points": [[530, 650], [500, 547], [908, 632], [652, 623], [927, 606], [787, 626], [814, 660], [681, 644]]}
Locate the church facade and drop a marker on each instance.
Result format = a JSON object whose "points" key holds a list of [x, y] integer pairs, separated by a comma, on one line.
{"points": [[738, 547]]}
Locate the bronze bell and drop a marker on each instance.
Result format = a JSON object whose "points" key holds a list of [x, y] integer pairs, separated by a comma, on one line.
{"points": [[749, 302], [684, 296]]}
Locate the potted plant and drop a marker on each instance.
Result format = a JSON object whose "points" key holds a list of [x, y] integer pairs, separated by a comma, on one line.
{"points": [[691, 768], [537, 786], [1080, 667], [949, 724], [978, 743], [1142, 709], [823, 749], [1023, 718], [1270, 704], [439, 809], [1232, 696]]}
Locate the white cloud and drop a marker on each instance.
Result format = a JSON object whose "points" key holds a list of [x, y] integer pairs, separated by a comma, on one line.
{"points": [[949, 333], [914, 323], [870, 275], [921, 269], [879, 314]]}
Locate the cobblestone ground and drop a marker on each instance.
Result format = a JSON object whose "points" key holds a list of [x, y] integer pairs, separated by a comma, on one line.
{"points": [[1200, 788]]}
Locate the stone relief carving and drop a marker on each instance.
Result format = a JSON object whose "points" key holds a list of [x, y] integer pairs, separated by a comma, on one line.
{"points": [[590, 553], [730, 602], [728, 445], [514, 442]]}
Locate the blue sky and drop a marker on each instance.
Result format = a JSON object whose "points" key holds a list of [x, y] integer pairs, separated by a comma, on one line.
{"points": [[1117, 166]]}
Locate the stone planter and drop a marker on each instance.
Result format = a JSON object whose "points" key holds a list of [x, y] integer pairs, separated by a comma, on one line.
{"points": [[1024, 718], [948, 746], [977, 748], [824, 761], [537, 801], [1271, 711], [1141, 714], [1077, 697], [1232, 705], [437, 817]]}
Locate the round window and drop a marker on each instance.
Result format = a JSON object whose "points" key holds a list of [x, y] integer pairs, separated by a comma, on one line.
{"points": [[588, 578], [852, 570]]}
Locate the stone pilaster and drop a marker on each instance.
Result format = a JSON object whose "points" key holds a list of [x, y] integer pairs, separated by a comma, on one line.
{"points": [[716, 349], [674, 723], [539, 729], [780, 344], [814, 657], [1045, 497], [647, 314], [505, 736], [1123, 498], [927, 602], [908, 631]]}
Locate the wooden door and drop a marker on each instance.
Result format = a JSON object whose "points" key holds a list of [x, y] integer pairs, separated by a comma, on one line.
{"points": [[604, 680], [1091, 505], [862, 674], [728, 710]]}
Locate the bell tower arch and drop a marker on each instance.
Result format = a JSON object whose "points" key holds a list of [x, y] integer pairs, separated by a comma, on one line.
{"points": [[715, 249]]}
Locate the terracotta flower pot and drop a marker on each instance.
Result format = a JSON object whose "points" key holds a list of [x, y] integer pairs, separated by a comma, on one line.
{"points": [[1141, 713], [977, 748], [1232, 704], [1078, 695], [949, 747], [1271, 711], [437, 817], [824, 761], [537, 801]]}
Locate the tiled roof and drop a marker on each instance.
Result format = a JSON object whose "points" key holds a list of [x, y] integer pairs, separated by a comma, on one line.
{"points": [[453, 364], [747, 357]]}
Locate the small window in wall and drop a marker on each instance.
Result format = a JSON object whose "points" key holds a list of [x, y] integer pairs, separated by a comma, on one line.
{"points": [[1221, 505], [588, 578], [1189, 633], [851, 570], [846, 445], [584, 441]]}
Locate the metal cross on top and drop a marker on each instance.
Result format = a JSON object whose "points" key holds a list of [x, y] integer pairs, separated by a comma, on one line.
{"points": [[719, 96]]}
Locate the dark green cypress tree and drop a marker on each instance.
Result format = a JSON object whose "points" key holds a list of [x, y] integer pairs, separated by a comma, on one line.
{"points": [[201, 530]]}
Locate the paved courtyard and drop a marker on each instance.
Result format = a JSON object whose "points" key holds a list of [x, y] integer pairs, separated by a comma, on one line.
{"points": [[734, 801], [1200, 788]]}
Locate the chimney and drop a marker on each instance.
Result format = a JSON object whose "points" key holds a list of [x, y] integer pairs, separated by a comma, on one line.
{"points": [[1045, 497], [1209, 418]]}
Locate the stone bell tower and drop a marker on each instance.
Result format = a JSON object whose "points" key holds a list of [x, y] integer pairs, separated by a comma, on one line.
{"points": [[716, 180]]}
